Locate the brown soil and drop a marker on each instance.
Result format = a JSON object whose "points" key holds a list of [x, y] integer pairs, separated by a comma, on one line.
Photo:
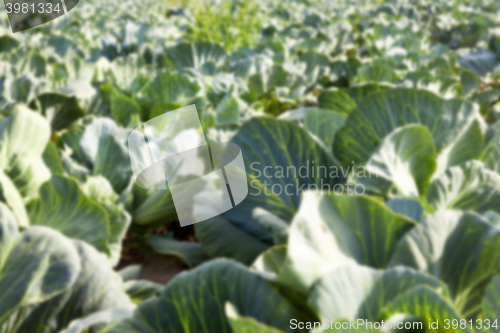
{"points": [[156, 267]]}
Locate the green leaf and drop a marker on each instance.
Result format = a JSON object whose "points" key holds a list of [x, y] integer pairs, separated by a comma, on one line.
{"points": [[8, 231], [321, 123], [271, 261], [102, 317], [8, 43], [113, 162], [241, 324], [491, 302], [336, 100], [428, 306], [13, 200], [84, 139], [132, 272], [158, 206], [21, 89], [345, 100], [23, 137], [491, 155], [228, 110], [467, 187], [202, 56], [470, 81], [493, 218], [357, 292], [461, 249], [467, 146], [192, 254], [195, 302], [100, 190], [380, 113], [408, 207], [38, 264], [221, 238], [404, 162], [287, 151], [267, 78], [376, 73], [123, 108], [140, 290], [329, 231], [173, 88], [97, 288], [482, 62], [52, 159], [59, 109], [37, 64], [63, 206], [273, 223]]}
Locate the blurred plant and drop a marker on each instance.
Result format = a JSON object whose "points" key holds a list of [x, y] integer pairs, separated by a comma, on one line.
{"points": [[233, 24]]}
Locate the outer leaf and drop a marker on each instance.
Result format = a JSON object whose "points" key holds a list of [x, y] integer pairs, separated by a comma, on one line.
{"points": [[102, 317], [84, 139], [14, 200], [193, 254], [23, 137], [132, 272], [481, 62], [97, 288], [461, 249], [8, 232], [59, 109], [491, 155], [221, 238], [320, 123], [380, 113], [38, 264], [345, 100], [228, 110], [336, 100], [202, 56], [428, 306], [99, 190], [241, 324], [408, 207], [158, 206], [273, 151], [283, 148], [140, 290], [195, 301], [376, 73], [113, 162], [465, 148], [174, 88], [64, 207], [329, 231], [52, 160], [405, 160], [491, 302], [353, 291], [123, 108], [271, 261], [467, 187]]}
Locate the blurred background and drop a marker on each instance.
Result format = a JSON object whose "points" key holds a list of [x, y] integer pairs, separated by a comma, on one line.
{"points": [[401, 98]]}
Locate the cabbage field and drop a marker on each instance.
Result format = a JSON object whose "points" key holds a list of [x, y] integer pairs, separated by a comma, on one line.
{"points": [[370, 132]]}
